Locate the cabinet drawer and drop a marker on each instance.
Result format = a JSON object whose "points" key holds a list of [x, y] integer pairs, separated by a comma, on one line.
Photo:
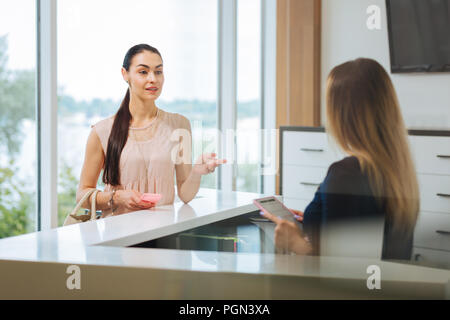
{"points": [[431, 154], [433, 231], [309, 149], [296, 204], [302, 182], [434, 193], [431, 258]]}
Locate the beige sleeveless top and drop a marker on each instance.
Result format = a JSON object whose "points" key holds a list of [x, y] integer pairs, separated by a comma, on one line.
{"points": [[148, 159]]}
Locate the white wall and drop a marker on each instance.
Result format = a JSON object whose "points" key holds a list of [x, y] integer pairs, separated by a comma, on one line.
{"points": [[424, 98]]}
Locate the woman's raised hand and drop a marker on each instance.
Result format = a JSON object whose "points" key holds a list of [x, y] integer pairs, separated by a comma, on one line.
{"points": [[131, 200], [207, 163]]}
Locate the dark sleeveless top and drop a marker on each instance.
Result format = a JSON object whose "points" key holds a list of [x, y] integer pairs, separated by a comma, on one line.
{"points": [[345, 195]]}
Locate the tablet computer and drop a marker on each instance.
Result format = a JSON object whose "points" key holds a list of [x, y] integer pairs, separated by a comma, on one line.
{"points": [[274, 207]]}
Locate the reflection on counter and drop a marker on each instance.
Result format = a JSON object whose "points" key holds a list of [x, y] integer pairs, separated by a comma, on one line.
{"points": [[251, 233], [248, 233]]}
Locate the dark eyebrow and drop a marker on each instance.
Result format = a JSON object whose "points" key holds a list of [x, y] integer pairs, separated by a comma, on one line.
{"points": [[146, 66]]}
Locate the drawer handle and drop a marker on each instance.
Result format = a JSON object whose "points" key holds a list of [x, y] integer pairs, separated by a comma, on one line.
{"points": [[443, 156], [310, 184], [443, 195], [311, 150], [443, 232]]}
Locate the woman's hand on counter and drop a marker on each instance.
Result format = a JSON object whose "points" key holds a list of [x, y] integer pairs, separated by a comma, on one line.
{"points": [[131, 200], [207, 163]]}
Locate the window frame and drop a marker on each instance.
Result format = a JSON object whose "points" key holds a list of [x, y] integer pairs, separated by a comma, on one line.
{"points": [[268, 94], [46, 115]]}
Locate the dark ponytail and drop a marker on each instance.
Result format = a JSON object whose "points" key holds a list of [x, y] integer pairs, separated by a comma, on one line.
{"points": [[119, 131]]}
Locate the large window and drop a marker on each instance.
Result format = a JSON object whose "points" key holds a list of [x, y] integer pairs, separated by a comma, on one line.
{"points": [[93, 37], [248, 115], [17, 117]]}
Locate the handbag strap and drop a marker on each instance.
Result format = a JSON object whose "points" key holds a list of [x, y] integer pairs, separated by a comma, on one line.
{"points": [[93, 205], [83, 199]]}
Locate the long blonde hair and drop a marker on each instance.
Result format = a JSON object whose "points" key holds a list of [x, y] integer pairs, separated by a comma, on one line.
{"points": [[364, 117]]}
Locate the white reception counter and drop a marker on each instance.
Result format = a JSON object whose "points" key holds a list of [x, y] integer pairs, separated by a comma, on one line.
{"points": [[34, 266]]}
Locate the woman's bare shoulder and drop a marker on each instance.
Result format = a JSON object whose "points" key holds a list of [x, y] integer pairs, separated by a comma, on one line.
{"points": [[102, 130], [107, 122]]}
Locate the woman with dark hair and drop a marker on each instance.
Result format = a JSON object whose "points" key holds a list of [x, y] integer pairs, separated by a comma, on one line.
{"points": [[141, 147], [376, 180]]}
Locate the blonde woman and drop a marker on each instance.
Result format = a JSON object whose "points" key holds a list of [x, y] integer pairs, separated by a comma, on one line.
{"points": [[377, 179]]}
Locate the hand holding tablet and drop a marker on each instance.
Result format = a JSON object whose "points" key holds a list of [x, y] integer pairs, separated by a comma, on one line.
{"points": [[275, 211], [288, 231]]}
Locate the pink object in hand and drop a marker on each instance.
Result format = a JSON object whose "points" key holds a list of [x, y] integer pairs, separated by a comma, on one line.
{"points": [[151, 197]]}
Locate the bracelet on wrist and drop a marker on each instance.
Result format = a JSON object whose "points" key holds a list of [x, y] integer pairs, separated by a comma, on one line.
{"points": [[111, 201]]}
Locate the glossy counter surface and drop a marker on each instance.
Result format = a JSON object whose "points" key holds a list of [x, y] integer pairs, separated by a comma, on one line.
{"points": [[100, 248], [72, 243]]}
